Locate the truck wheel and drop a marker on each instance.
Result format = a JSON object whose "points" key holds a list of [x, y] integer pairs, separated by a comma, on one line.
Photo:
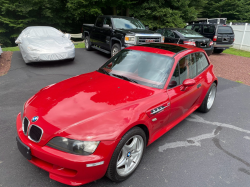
{"points": [[87, 43], [218, 51], [115, 49]]}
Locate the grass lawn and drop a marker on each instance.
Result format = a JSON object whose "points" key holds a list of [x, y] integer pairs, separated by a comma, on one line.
{"points": [[237, 52], [11, 49], [80, 45]]}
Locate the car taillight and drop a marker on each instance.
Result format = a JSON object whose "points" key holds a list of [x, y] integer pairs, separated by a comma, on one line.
{"points": [[215, 38], [189, 43], [211, 43], [234, 38], [82, 30]]}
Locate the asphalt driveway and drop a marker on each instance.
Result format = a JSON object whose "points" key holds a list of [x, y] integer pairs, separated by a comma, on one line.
{"points": [[210, 149]]}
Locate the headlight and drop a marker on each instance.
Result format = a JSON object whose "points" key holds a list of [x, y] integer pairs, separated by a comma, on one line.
{"points": [[73, 146], [162, 39], [130, 39], [32, 48]]}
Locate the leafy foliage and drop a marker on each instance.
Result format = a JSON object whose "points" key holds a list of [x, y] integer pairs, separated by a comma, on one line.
{"points": [[68, 15]]}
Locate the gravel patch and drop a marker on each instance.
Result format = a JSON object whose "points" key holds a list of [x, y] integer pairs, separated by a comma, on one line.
{"points": [[5, 60], [232, 67]]}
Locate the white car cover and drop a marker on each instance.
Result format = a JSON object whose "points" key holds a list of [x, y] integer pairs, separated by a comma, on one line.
{"points": [[42, 43]]}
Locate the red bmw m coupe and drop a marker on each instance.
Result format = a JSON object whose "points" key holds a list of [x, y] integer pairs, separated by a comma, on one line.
{"points": [[99, 123]]}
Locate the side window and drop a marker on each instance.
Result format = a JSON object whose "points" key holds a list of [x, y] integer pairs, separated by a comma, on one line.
{"points": [[192, 66], [99, 22], [169, 34], [160, 31], [201, 61], [175, 77], [176, 35], [208, 29], [184, 69], [188, 27], [197, 28], [107, 21]]}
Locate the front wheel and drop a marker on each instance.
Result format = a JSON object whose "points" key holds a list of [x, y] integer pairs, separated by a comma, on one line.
{"points": [[127, 155], [209, 99], [115, 49], [87, 43]]}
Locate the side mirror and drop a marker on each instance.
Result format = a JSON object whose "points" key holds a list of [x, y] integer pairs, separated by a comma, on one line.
{"points": [[67, 36], [18, 41], [172, 84], [187, 83], [106, 26], [147, 27]]}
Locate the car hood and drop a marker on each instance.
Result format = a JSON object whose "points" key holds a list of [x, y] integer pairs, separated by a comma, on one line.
{"points": [[137, 31], [73, 101]]}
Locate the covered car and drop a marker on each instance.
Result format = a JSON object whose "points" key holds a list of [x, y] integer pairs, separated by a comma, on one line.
{"points": [[43, 43]]}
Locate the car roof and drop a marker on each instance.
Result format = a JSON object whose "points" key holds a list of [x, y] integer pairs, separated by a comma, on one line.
{"points": [[167, 49], [113, 16]]}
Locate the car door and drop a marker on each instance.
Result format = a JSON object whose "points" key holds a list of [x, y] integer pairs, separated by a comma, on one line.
{"points": [[96, 32], [182, 101], [106, 33]]}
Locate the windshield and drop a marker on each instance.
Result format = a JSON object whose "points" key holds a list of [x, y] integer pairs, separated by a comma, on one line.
{"points": [[189, 33], [143, 68], [127, 23], [44, 32]]}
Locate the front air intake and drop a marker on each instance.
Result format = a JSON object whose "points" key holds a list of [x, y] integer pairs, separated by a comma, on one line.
{"points": [[26, 123], [35, 133]]}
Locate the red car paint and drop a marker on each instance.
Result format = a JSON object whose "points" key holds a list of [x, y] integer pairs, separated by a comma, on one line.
{"points": [[98, 107]]}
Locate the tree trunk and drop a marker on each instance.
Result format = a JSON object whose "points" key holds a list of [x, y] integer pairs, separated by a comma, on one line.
{"points": [[127, 11], [114, 11]]}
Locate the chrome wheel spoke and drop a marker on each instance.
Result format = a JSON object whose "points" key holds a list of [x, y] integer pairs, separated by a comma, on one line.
{"points": [[130, 155]]}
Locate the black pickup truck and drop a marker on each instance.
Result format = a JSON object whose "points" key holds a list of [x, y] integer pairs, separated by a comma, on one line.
{"points": [[110, 34]]}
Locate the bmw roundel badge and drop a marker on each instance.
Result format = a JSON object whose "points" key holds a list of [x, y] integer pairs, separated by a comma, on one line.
{"points": [[34, 119]]}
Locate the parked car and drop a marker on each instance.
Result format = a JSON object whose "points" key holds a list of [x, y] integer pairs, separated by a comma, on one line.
{"points": [[43, 43], [101, 121], [188, 37], [110, 34], [222, 35]]}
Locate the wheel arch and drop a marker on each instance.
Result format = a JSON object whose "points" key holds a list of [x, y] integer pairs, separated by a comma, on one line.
{"points": [[113, 41]]}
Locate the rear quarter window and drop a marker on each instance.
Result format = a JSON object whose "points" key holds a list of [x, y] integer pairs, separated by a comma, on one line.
{"points": [[208, 29], [225, 30]]}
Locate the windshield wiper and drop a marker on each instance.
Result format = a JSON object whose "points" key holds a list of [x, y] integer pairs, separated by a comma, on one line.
{"points": [[103, 70], [125, 78]]}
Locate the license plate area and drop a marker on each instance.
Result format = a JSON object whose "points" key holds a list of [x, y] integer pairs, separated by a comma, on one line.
{"points": [[149, 40], [24, 149], [203, 45], [225, 39]]}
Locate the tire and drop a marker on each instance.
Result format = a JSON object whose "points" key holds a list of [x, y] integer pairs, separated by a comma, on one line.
{"points": [[218, 51], [115, 49], [130, 155], [87, 43], [209, 99]]}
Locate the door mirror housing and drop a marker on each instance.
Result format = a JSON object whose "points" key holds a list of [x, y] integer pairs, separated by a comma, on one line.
{"points": [[187, 83]]}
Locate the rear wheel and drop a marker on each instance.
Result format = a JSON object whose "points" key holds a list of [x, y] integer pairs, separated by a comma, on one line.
{"points": [[209, 99], [87, 43], [218, 50], [115, 49], [127, 155]]}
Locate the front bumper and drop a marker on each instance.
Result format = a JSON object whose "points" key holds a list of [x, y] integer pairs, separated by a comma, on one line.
{"points": [[38, 56], [209, 50], [222, 46], [68, 168]]}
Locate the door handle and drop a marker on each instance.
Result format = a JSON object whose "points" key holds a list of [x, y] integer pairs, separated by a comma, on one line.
{"points": [[199, 85]]}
